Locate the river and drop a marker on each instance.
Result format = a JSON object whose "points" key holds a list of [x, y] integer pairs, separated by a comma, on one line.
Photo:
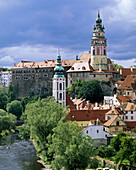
{"points": [[21, 156]]}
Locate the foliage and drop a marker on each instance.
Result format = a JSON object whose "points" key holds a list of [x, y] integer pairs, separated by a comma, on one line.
{"points": [[106, 151], [91, 90], [3, 98], [71, 149], [74, 89], [94, 163], [15, 108], [127, 151], [4, 69], [7, 122], [11, 93], [116, 141], [24, 131], [118, 66], [41, 117], [28, 99], [106, 88]]}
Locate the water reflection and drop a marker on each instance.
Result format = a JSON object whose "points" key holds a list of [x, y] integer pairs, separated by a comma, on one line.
{"points": [[21, 156]]}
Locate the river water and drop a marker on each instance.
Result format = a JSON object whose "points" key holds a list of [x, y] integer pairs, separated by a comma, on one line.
{"points": [[21, 156]]}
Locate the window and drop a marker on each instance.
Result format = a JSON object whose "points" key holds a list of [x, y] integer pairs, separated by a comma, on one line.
{"points": [[97, 131], [131, 112], [117, 123], [72, 116], [60, 96], [126, 112], [126, 117], [87, 131], [128, 93], [60, 86], [94, 75], [131, 117], [81, 124], [105, 136], [83, 68]]}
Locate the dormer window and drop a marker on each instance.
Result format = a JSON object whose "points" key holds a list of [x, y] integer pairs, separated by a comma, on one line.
{"points": [[83, 68], [72, 68]]}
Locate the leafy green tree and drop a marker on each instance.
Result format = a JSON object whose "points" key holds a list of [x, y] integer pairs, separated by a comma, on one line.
{"points": [[15, 108], [92, 91], [7, 121], [71, 149], [74, 89], [106, 151], [118, 66], [3, 98], [41, 117], [11, 93], [116, 141], [127, 151]]}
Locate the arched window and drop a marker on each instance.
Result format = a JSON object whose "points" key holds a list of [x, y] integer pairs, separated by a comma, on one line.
{"points": [[83, 68], [72, 68], [60, 96], [60, 86]]}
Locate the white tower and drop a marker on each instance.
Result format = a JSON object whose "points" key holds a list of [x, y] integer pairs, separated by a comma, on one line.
{"points": [[59, 82]]}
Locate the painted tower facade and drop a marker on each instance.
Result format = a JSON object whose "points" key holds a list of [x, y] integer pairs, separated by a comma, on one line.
{"points": [[59, 82], [99, 46]]}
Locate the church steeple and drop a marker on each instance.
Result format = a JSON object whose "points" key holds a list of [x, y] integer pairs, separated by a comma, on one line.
{"points": [[59, 70], [59, 82]]}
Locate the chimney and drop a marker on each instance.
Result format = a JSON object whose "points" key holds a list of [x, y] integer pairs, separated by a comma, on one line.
{"points": [[96, 104], [131, 69], [121, 71], [76, 57]]}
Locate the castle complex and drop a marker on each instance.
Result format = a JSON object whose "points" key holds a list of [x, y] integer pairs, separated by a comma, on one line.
{"points": [[37, 77]]}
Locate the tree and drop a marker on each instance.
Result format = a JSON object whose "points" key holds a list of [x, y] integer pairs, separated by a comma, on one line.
{"points": [[11, 93], [118, 66], [92, 91], [7, 122], [71, 149], [116, 141], [74, 89], [3, 98], [41, 117], [15, 108], [127, 151], [106, 151]]}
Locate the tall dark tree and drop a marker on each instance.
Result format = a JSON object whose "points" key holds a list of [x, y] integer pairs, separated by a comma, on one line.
{"points": [[3, 98], [92, 91]]}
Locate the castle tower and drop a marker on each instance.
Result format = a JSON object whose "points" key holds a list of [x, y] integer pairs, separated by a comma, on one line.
{"points": [[99, 46], [59, 82]]}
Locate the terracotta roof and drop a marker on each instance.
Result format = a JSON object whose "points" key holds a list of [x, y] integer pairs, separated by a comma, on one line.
{"points": [[78, 101], [118, 82], [109, 122], [123, 99], [69, 103], [87, 115], [125, 72], [128, 107], [115, 111], [129, 82], [131, 124], [46, 63]]}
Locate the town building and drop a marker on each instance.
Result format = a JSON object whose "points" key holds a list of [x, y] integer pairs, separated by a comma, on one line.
{"points": [[59, 83], [114, 125], [97, 133], [128, 87], [5, 78], [95, 64]]}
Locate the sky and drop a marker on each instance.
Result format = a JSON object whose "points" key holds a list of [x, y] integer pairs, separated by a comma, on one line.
{"points": [[33, 30]]}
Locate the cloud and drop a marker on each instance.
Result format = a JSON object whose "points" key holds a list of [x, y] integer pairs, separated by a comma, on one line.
{"points": [[126, 63], [38, 52], [6, 61]]}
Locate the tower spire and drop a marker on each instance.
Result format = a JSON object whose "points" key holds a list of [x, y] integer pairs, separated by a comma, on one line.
{"points": [[98, 13]]}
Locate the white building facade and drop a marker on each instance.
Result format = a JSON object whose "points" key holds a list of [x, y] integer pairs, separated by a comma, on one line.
{"points": [[5, 78]]}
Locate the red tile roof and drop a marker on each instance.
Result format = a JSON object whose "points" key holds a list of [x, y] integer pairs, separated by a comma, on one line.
{"points": [[123, 99], [131, 124], [87, 115]]}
